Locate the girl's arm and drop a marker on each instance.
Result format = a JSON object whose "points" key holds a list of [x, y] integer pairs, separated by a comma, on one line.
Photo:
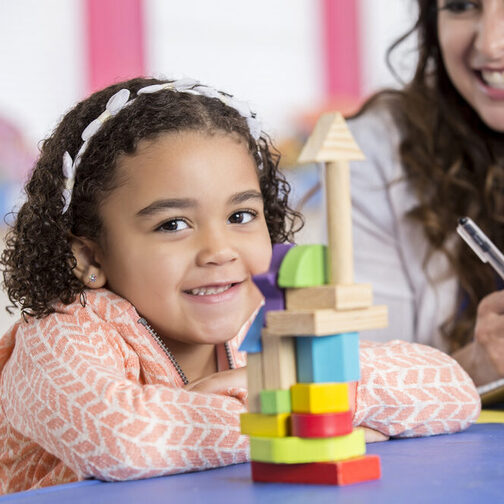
{"points": [[409, 390], [77, 393]]}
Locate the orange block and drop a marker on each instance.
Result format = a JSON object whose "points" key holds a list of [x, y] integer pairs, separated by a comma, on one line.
{"points": [[346, 472]]}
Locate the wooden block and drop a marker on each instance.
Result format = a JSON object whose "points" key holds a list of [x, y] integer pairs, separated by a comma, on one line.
{"points": [[252, 342], [303, 266], [279, 361], [257, 424], [307, 425], [319, 397], [330, 140], [296, 450], [255, 381], [323, 359], [325, 322], [275, 401], [347, 472], [335, 297]]}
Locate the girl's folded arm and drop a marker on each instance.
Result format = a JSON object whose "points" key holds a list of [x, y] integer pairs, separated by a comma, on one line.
{"points": [[408, 390], [80, 406]]}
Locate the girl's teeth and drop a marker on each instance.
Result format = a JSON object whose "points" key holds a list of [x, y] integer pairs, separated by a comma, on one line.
{"points": [[207, 291], [493, 78]]}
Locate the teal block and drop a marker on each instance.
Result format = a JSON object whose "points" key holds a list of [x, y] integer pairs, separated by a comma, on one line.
{"points": [[252, 343], [304, 266], [275, 401], [327, 359]]}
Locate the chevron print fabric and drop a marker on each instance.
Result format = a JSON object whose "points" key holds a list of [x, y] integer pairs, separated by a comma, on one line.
{"points": [[87, 392]]}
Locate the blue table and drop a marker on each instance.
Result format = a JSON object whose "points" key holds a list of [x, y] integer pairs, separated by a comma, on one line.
{"points": [[460, 468]]}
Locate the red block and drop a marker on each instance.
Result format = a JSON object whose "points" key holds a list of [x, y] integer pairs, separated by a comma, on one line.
{"points": [[346, 472], [307, 425]]}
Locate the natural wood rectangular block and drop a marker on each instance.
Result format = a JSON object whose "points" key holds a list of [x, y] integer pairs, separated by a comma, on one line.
{"points": [[279, 361], [255, 381], [335, 297], [325, 322]]}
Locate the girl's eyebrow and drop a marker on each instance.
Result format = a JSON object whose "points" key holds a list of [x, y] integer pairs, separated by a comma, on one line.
{"points": [[181, 203], [163, 204], [245, 196]]}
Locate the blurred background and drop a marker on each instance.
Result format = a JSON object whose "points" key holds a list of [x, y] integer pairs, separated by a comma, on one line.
{"points": [[291, 59]]}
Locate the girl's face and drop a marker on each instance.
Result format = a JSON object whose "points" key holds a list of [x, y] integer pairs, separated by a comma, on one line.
{"points": [[471, 37], [183, 234]]}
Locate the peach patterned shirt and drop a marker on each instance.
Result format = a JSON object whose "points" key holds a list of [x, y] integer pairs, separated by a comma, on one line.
{"points": [[88, 392]]}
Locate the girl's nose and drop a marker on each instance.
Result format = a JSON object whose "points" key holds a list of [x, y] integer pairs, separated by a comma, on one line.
{"points": [[215, 250], [490, 33]]}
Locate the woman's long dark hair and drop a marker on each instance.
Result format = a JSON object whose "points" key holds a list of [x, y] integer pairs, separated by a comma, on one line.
{"points": [[38, 261], [454, 163]]}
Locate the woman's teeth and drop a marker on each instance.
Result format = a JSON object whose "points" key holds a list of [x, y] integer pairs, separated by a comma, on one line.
{"points": [[207, 291], [493, 78]]}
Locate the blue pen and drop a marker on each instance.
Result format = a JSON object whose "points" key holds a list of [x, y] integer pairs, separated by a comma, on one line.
{"points": [[481, 244]]}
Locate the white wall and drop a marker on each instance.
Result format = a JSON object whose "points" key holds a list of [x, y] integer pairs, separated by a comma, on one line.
{"points": [[265, 51], [41, 59]]}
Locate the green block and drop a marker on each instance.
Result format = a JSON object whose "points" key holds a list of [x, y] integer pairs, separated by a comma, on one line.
{"points": [[275, 401], [304, 266], [296, 450]]}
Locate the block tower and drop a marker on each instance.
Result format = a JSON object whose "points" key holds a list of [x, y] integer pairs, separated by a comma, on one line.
{"points": [[303, 347]]}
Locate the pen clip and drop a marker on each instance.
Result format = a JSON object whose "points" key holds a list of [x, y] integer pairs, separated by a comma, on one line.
{"points": [[470, 241]]}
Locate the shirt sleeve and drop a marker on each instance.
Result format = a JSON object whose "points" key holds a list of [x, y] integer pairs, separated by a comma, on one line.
{"points": [[408, 390], [71, 391]]}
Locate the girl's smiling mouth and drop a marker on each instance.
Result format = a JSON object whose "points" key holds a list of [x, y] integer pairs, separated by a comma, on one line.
{"points": [[214, 292]]}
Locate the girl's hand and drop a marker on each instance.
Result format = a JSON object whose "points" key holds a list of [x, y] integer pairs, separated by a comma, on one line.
{"points": [[217, 382], [373, 436]]}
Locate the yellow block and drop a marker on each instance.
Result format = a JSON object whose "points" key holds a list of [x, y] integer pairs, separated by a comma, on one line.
{"points": [[319, 397], [257, 424], [296, 450], [491, 416]]}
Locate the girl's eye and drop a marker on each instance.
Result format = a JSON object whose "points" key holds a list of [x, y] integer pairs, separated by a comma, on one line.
{"points": [[242, 217], [173, 225], [457, 6]]}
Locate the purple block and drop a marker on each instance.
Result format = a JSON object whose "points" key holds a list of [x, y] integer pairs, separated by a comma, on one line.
{"points": [[267, 282]]}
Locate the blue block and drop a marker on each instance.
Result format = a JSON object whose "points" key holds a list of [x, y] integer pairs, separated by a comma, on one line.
{"points": [[322, 359], [252, 342]]}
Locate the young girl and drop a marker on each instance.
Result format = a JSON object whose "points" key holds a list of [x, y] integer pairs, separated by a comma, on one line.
{"points": [[441, 158], [150, 209]]}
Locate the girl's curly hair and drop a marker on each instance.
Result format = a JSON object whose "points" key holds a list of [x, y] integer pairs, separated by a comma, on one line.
{"points": [[454, 163], [38, 261]]}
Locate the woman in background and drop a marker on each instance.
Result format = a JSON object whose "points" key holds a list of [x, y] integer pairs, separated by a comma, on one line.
{"points": [[435, 152]]}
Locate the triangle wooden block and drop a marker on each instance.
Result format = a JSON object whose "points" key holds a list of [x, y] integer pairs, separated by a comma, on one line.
{"points": [[331, 140]]}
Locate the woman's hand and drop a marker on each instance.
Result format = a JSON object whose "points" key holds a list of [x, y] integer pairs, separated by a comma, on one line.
{"points": [[489, 330], [217, 382], [483, 359]]}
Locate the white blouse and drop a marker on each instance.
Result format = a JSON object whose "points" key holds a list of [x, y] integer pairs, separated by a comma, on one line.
{"points": [[389, 249]]}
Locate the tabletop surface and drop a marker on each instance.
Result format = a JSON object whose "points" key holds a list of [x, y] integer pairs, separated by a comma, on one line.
{"points": [[466, 467]]}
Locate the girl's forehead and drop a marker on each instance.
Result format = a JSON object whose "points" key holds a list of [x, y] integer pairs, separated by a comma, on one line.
{"points": [[187, 162]]}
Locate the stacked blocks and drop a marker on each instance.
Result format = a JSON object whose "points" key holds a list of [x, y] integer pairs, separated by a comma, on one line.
{"points": [[303, 348], [299, 419]]}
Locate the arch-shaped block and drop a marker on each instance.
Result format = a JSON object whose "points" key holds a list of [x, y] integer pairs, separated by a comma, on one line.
{"points": [[304, 266]]}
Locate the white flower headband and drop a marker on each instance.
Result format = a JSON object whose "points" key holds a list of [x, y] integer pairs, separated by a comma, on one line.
{"points": [[121, 99]]}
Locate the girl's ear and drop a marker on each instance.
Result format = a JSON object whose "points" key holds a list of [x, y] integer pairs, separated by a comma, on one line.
{"points": [[88, 270]]}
